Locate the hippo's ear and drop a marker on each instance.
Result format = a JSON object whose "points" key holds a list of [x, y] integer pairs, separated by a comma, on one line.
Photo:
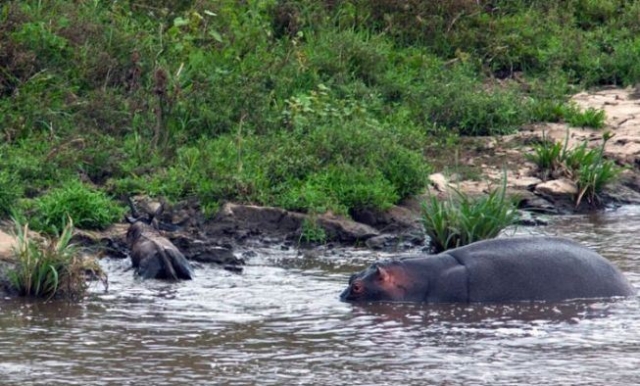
{"points": [[383, 274]]}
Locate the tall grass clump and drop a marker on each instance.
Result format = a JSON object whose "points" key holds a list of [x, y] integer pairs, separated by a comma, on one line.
{"points": [[594, 173], [548, 157], [587, 167], [460, 219], [50, 267]]}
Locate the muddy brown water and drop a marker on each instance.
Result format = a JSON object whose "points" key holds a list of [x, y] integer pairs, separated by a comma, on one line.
{"points": [[280, 323]]}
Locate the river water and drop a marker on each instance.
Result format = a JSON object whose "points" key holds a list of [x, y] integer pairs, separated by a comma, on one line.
{"points": [[281, 323]]}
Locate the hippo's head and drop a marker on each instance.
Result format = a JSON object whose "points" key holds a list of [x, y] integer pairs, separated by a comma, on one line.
{"points": [[380, 282]]}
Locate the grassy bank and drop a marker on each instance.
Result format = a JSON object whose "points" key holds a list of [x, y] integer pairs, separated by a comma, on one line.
{"points": [[307, 105]]}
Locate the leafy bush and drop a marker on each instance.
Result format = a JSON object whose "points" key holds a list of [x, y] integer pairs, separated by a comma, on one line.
{"points": [[50, 267], [87, 208], [460, 220], [341, 189]]}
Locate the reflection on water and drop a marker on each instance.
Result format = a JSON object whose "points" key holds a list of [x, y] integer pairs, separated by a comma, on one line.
{"points": [[280, 322]]}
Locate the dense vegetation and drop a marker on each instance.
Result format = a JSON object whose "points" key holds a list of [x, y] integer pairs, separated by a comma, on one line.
{"points": [[307, 105]]}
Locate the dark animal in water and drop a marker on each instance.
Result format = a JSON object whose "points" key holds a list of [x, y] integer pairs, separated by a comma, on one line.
{"points": [[497, 270], [153, 256]]}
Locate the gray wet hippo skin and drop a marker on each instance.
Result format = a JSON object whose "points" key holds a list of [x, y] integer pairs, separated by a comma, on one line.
{"points": [[154, 256], [497, 270]]}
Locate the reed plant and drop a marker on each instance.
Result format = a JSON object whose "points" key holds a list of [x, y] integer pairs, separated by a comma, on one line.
{"points": [[547, 156], [461, 219], [587, 167], [594, 173], [50, 267]]}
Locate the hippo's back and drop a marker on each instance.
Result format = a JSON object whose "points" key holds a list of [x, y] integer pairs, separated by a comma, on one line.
{"points": [[537, 268]]}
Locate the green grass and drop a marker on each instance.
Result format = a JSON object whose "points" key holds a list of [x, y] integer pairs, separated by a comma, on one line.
{"points": [[460, 219], [51, 267], [86, 207], [312, 232], [590, 117], [10, 192], [281, 102]]}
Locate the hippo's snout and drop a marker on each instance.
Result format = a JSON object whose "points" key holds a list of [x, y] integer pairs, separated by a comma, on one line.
{"points": [[344, 296]]}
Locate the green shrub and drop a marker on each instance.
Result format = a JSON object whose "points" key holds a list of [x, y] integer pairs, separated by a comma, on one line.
{"points": [[312, 232], [341, 189], [460, 220], [547, 111], [50, 267], [87, 208]]}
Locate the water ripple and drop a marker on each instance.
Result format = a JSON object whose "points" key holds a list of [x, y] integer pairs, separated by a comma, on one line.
{"points": [[280, 322]]}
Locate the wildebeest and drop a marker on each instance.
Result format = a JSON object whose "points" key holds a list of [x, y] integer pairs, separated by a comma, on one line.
{"points": [[153, 256]]}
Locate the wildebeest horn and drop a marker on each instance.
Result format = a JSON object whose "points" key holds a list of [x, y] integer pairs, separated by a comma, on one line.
{"points": [[134, 212], [135, 216]]}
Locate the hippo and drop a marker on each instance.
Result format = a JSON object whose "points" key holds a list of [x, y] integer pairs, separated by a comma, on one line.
{"points": [[493, 271], [153, 256]]}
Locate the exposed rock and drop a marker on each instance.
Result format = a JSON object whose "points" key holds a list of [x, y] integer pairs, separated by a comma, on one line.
{"points": [[618, 194], [526, 183], [240, 221], [561, 193], [339, 228], [207, 251], [395, 242], [527, 218], [7, 242], [439, 182], [535, 203], [398, 219], [557, 188]]}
